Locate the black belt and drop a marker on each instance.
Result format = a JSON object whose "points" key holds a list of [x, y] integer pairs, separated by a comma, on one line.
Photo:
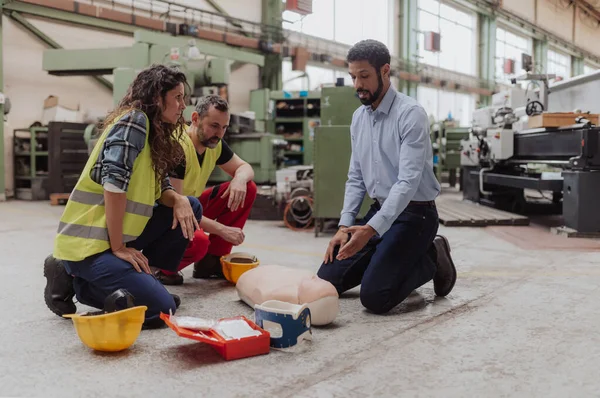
{"points": [[430, 203]]}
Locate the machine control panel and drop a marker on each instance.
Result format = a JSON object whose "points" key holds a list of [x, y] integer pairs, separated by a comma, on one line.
{"points": [[501, 143]]}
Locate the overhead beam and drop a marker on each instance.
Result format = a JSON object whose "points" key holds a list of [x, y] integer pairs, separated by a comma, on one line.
{"points": [[86, 62], [586, 6], [51, 43], [492, 8], [228, 17], [205, 46], [70, 17]]}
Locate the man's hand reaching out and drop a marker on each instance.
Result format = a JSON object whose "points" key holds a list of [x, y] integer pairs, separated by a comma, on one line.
{"points": [[339, 239], [360, 236]]}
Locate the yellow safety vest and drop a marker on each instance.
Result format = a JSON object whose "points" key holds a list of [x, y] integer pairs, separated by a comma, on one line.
{"points": [[82, 231], [196, 174]]}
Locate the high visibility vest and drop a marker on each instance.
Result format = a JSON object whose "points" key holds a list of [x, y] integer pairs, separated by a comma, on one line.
{"points": [[82, 231], [196, 174]]}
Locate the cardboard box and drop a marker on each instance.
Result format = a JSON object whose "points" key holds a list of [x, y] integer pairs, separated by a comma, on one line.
{"points": [[59, 110], [560, 119]]}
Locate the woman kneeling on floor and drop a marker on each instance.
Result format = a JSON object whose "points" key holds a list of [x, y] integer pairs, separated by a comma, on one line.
{"points": [[123, 215]]}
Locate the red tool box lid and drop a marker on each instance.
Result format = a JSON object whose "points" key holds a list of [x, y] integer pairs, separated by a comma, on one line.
{"points": [[229, 349]]}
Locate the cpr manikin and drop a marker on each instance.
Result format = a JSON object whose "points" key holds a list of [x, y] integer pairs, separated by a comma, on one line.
{"points": [[290, 285]]}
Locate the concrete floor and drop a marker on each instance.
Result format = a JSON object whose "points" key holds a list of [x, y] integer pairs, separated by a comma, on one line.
{"points": [[521, 321]]}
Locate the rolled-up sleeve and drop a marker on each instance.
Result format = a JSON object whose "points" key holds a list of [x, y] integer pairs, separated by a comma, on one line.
{"points": [[414, 133], [166, 184], [122, 146]]}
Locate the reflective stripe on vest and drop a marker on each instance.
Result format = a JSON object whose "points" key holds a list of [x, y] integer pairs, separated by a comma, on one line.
{"points": [[90, 198], [88, 232], [83, 231]]}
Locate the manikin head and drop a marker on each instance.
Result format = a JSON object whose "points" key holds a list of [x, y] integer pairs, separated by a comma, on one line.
{"points": [[210, 120], [369, 68]]}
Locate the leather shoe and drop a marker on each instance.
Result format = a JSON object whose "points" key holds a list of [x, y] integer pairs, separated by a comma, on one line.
{"points": [[170, 280], [59, 291], [208, 267], [445, 276]]}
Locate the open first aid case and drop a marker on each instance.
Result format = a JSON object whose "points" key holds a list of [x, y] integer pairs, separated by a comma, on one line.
{"points": [[229, 348]]}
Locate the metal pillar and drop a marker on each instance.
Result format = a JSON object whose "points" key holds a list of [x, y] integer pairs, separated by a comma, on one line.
{"points": [[576, 66], [271, 74], [540, 56], [409, 25], [487, 52], [2, 165]]}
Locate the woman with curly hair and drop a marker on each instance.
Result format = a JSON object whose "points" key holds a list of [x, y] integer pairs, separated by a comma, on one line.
{"points": [[123, 215]]}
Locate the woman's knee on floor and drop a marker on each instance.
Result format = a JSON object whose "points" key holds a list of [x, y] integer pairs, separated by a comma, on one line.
{"points": [[162, 302], [148, 291]]}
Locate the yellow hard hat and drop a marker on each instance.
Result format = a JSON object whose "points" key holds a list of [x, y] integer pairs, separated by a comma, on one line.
{"points": [[235, 264], [112, 329]]}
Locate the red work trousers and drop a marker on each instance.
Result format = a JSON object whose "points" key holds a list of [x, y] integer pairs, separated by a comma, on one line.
{"points": [[216, 209]]}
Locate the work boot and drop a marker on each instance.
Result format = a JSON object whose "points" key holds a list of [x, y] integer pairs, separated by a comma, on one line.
{"points": [[59, 291], [208, 267], [166, 279], [445, 276], [177, 300]]}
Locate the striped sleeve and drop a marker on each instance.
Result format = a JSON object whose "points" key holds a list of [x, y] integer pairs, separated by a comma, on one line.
{"points": [[123, 144]]}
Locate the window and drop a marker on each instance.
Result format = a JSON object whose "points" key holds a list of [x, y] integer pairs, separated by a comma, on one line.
{"points": [[559, 64], [588, 69], [441, 105], [319, 23], [510, 46], [345, 21], [457, 31], [355, 22]]}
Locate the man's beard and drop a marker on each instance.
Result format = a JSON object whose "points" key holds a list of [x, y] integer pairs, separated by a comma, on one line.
{"points": [[372, 97], [208, 143]]}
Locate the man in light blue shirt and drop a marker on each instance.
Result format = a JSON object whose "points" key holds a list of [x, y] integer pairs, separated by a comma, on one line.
{"points": [[396, 250]]}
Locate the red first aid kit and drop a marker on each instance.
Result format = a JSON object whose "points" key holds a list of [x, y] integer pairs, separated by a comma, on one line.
{"points": [[229, 349]]}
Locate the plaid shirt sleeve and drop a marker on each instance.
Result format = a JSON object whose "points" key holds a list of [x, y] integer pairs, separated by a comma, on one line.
{"points": [[166, 184], [120, 149]]}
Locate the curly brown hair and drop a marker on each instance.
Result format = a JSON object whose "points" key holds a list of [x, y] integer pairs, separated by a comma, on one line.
{"points": [[149, 85]]}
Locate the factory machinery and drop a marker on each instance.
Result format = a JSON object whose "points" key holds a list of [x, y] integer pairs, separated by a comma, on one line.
{"points": [[515, 147], [277, 131], [247, 134]]}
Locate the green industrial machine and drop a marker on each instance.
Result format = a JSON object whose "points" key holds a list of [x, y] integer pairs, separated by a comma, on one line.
{"points": [[446, 137], [205, 76], [149, 48], [263, 151], [332, 151]]}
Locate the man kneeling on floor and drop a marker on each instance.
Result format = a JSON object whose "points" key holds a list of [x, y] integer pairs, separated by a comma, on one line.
{"points": [[396, 249], [226, 206]]}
